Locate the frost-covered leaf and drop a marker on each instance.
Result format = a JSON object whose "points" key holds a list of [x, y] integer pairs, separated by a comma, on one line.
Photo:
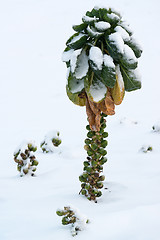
{"points": [[124, 34], [115, 45], [125, 26], [87, 19], [108, 71], [129, 59], [92, 32], [78, 40], [75, 85], [96, 58], [76, 98], [102, 26], [73, 59], [67, 54], [137, 49], [80, 27], [82, 65], [96, 91], [131, 79]]}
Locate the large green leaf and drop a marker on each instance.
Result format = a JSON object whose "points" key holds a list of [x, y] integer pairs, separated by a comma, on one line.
{"points": [[135, 47], [129, 59], [80, 28], [77, 98], [95, 88], [108, 72], [131, 79], [113, 48], [77, 41], [75, 85]]}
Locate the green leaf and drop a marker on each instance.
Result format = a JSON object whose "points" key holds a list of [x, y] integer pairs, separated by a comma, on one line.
{"points": [[77, 41], [80, 28], [108, 72], [77, 98], [135, 47], [75, 85], [131, 79], [96, 90], [128, 59], [113, 49]]}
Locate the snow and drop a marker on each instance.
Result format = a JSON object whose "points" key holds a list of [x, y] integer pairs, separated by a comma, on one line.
{"points": [[108, 61], [74, 56], [118, 41], [66, 56], [113, 16], [125, 36], [98, 91], [102, 26], [89, 19], [119, 78], [129, 54], [83, 66], [33, 101], [93, 32], [95, 55]]}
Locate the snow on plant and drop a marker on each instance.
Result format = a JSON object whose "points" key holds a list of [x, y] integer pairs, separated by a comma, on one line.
{"points": [[156, 127], [72, 216], [25, 158], [146, 148], [50, 142], [102, 62]]}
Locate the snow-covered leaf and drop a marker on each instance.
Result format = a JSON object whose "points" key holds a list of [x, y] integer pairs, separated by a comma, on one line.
{"points": [[108, 71], [131, 79], [96, 91], [82, 65], [75, 97], [137, 49], [129, 59], [96, 58], [115, 45], [124, 34], [102, 26], [75, 85], [80, 27], [77, 41]]}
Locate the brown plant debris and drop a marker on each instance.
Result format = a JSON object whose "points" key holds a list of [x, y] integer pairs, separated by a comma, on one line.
{"points": [[94, 110]]}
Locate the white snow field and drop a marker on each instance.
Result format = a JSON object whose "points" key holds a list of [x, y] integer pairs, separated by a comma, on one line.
{"points": [[33, 102]]}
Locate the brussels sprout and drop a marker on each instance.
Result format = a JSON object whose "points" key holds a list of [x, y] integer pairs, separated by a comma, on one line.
{"points": [[105, 134]]}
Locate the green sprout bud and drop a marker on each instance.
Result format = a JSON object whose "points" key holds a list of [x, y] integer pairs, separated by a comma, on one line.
{"points": [[86, 164], [87, 187], [104, 143], [90, 134], [88, 128], [99, 194], [87, 141], [99, 184], [56, 142], [19, 168], [105, 134], [84, 192], [103, 125], [25, 170], [83, 185], [35, 163], [94, 146], [85, 175], [102, 151], [82, 179], [90, 152], [102, 178], [94, 163], [64, 221], [103, 160], [60, 213]]}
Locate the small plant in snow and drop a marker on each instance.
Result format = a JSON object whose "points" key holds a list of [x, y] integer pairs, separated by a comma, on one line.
{"points": [[25, 158], [51, 141], [102, 62], [146, 148], [156, 127], [71, 216]]}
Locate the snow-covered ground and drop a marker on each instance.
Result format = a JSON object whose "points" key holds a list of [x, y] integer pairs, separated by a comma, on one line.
{"points": [[33, 102]]}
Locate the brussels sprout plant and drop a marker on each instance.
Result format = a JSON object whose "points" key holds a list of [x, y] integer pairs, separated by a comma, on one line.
{"points": [[72, 217], [102, 62], [26, 161]]}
